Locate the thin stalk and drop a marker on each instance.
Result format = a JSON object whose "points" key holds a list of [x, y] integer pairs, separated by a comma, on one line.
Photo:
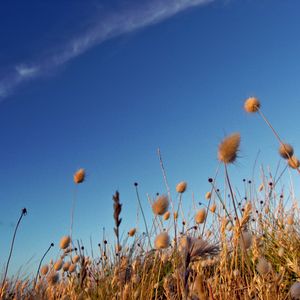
{"points": [[23, 213], [236, 214], [211, 190], [232, 196], [72, 211], [38, 270], [223, 204], [169, 193], [142, 211], [276, 181], [275, 133], [269, 124], [177, 213], [157, 282]]}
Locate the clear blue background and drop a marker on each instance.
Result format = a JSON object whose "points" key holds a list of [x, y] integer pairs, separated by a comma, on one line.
{"points": [[178, 85]]}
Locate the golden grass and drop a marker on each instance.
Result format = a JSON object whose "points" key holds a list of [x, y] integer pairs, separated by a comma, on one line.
{"points": [[237, 247]]}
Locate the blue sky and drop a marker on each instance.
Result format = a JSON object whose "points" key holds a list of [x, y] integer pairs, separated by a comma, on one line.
{"points": [[102, 84]]}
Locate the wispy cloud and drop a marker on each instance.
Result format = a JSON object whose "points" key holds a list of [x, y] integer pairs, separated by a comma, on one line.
{"points": [[109, 26], [26, 71]]}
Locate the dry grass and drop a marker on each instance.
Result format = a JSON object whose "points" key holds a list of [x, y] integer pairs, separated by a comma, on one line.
{"points": [[236, 247]]}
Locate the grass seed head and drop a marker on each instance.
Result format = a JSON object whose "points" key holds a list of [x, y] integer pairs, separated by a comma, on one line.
{"points": [[160, 205], [293, 162], [66, 266], [252, 105], [166, 215], [245, 240], [208, 195], [290, 220], [228, 148], [79, 176], [181, 187], [53, 278], [261, 187], [132, 232], [175, 215], [286, 151], [75, 259], [162, 241], [200, 216], [72, 268], [58, 265], [44, 270], [213, 207], [64, 242], [263, 266], [196, 248]]}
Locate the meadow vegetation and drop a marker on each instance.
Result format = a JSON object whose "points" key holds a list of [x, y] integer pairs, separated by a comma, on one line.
{"points": [[231, 246]]}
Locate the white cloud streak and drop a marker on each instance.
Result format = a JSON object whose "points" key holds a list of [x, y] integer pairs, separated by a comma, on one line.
{"points": [[26, 71], [110, 26]]}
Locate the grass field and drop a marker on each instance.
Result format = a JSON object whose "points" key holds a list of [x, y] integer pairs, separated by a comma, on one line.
{"points": [[231, 246]]}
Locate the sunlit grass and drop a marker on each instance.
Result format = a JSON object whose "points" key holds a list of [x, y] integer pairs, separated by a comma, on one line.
{"points": [[231, 247]]}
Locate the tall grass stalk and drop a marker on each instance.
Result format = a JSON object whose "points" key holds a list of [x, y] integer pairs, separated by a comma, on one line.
{"points": [[169, 194], [41, 261], [142, 211], [23, 213]]}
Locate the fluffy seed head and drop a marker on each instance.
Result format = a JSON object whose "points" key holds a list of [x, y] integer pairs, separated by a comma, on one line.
{"points": [[196, 248], [181, 187], [166, 215], [245, 240], [286, 151], [44, 270], [131, 232], [58, 265], [162, 241], [213, 208], [208, 195], [263, 266], [228, 148], [293, 162], [290, 220], [248, 206], [295, 290], [252, 105], [79, 176], [175, 215], [75, 259], [64, 242], [72, 268], [53, 278], [200, 216], [66, 266], [160, 205], [261, 187]]}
